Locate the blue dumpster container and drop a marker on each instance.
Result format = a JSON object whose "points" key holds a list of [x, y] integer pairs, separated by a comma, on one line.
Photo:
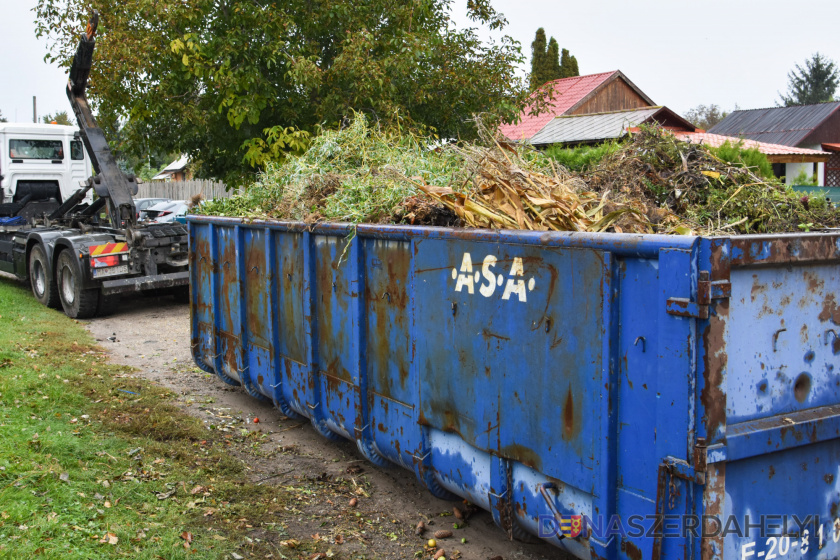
{"points": [[618, 396]]}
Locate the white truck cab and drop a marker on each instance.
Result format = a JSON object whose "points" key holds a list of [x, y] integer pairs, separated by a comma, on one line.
{"points": [[46, 161]]}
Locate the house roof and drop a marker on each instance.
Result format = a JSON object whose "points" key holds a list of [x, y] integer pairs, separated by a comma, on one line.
{"points": [[568, 94], [603, 126], [779, 125], [777, 153], [178, 165]]}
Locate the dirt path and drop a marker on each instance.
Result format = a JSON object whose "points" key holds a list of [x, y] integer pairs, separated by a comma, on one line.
{"points": [[152, 334]]}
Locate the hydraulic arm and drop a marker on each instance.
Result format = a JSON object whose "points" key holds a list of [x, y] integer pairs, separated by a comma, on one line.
{"points": [[110, 182]]}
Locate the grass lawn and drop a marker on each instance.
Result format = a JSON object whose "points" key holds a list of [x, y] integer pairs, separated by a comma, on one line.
{"points": [[97, 464]]}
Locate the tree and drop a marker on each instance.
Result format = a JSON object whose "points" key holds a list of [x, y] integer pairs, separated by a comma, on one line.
{"points": [[706, 116], [816, 83], [539, 57], [2, 118], [209, 79], [546, 63], [553, 60], [60, 117], [568, 65]]}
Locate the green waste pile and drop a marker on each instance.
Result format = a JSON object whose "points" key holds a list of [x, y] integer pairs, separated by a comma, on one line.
{"points": [[651, 184]]}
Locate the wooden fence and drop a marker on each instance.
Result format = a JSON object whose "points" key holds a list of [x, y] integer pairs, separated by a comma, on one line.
{"points": [[183, 190]]}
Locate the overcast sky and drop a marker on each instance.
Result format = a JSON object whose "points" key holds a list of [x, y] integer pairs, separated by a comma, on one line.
{"points": [[680, 53]]}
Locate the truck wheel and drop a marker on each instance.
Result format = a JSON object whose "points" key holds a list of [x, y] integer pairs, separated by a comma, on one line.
{"points": [[77, 303], [44, 287]]}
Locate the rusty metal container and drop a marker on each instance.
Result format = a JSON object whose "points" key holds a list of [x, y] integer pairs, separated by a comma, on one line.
{"points": [[618, 396]]}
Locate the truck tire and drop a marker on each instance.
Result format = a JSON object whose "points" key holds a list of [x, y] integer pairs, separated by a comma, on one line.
{"points": [[77, 302], [43, 284]]}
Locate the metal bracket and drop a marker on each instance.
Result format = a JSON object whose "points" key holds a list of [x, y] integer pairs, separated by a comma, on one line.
{"points": [[681, 469], [543, 489], [707, 290]]}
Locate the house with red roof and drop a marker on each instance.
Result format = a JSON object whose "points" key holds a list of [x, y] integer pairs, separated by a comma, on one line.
{"points": [[592, 109], [579, 95]]}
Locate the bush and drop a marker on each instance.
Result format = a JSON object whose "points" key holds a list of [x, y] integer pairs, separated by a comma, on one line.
{"points": [[582, 158], [736, 153], [805, 179]]}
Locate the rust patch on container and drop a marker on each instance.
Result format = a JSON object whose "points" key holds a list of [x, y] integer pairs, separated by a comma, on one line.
{"points": [[714, 495], [228, 284], [522, 454], [631, 550], [757, 288], [830, 310], [231, 344], [570, 424], [256, 286], [713, 396], [290, 286], [387, 301], [452, 422], [784, 250], [334, 295], [815, 283], [487, 335]]}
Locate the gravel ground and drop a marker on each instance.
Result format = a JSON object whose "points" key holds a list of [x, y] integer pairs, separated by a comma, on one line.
{"points": [[152, 335]]}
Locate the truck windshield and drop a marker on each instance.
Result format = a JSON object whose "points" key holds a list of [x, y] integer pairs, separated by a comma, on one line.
{"points": [[36, 149]]}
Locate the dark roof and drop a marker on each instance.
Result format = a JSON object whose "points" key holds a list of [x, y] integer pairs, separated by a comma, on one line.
{"points": [[603, 126], [780, 125]]}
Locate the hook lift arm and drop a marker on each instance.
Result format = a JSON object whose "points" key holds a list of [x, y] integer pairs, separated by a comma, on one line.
{"points": [[109, 182]]}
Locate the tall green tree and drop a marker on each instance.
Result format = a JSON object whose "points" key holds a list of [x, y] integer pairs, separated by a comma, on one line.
{"points": [[553, 60], [568, 65], [60, 117], [546, 62], [815, 83], [539, 58], [213, 79]]}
